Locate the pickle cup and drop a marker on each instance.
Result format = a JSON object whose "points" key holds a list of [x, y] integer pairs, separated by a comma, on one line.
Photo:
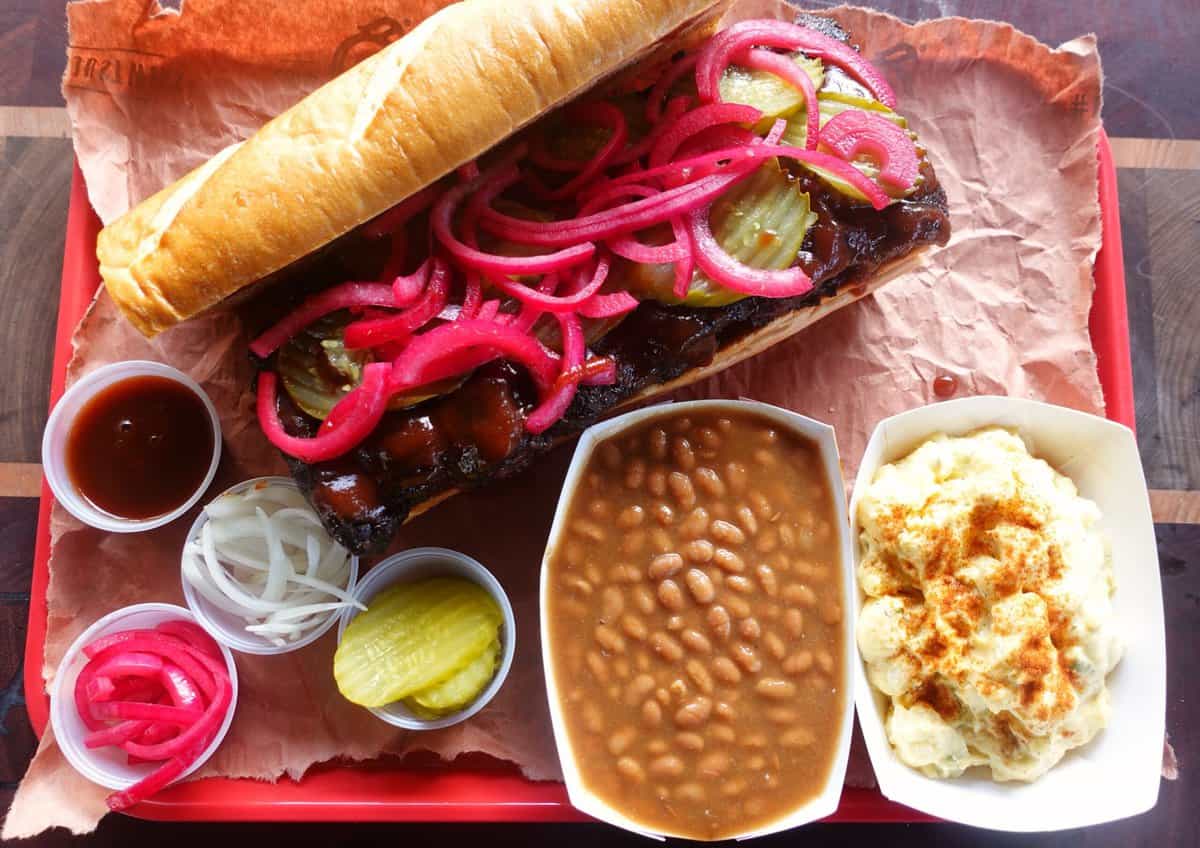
{"points": [[421, 564], [824, 802], [108, 766], [54, 445], [229, 629], [1116, 774]]}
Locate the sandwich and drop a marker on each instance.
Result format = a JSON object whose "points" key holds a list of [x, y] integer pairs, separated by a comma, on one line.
{"points": [[523, 216]]}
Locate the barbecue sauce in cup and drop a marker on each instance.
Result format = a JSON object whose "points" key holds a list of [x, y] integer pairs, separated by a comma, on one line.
{"points": [[141, 447]]}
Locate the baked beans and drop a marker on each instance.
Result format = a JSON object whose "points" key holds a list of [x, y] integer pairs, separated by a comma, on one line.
{"points": [[701, 703]]}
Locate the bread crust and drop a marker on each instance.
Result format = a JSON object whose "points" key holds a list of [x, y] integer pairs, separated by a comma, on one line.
{"points": [[461, 82]]}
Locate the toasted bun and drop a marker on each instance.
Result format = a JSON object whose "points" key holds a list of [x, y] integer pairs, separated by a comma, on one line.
{"points": [[747, 346], [457, 85]]}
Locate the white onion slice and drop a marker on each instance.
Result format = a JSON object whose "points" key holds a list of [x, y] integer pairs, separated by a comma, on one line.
{"points": [[264, 557], [312, 553], [280, 495], [247, 527], [303, 515], [280, 565]]}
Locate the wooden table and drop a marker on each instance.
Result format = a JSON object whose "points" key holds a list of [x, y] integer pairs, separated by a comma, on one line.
{"points": [[1152, 113]]}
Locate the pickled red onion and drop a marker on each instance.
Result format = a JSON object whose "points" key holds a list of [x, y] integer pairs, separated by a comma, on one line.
{"points": [[737, 161], [620, 219], [654, 103], [795, 76], [406, 289], [685, 267], [489, 309], [130, 664], [176, 716], [193, 634], [608, 305], [149, 785], [606, 114], [472, 296], [714, 138], [552, 303], [376, 331], [627, 245], [442, 218], [115, 734], [425, 351], [648, 254], [555, 403], [696, 121], [197, 735], [675, 108], [777, 130], [125, 710], [709, 158], [531, 312], [853, 132], [602, 196], [329, 443], [396, 256], [716, 55], [734, 275], [179, 686], [597, 371], [123, 689], [345, 296]]}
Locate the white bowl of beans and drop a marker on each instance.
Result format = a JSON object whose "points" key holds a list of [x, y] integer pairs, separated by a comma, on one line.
{"points": [[696, 645]]}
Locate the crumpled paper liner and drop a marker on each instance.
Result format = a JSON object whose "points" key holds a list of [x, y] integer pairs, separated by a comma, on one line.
{"points": [[1011, 126]]}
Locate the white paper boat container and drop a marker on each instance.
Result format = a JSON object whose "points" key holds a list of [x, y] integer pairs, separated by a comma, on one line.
{"points": [[1116, 775], [823, 803]]}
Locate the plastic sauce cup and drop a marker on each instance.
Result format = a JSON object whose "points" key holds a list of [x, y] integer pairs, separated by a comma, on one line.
{"points": [[107, 766], [421, 564], [58, 428], [229, 629]]}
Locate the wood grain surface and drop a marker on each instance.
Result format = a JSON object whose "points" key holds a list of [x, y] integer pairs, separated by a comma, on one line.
{"points": [[34, 181], [1152, 113]]}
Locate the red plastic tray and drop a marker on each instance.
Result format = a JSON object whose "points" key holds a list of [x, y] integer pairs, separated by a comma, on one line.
{"points": [[384, 791]]}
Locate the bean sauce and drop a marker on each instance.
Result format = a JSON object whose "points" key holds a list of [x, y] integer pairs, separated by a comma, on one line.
{"points": [[696, 634]]}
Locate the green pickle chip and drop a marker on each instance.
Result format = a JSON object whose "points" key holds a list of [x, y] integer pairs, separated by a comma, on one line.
{"points": [[761, 222], [767, 92], [457, 691], [413, 637]]}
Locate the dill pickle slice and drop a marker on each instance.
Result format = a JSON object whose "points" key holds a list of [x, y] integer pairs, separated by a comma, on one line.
{"points": [[420, 711], [832, 102], [761, 222], [795, 134], [767, 92], [463, 687], [318, 370], [412, 637]]}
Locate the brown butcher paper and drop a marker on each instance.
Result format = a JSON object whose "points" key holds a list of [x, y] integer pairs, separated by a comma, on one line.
{"points": [[1011, 127]]}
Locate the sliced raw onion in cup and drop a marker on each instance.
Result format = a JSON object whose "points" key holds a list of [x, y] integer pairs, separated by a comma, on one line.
{"points": [[261, 570]]}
